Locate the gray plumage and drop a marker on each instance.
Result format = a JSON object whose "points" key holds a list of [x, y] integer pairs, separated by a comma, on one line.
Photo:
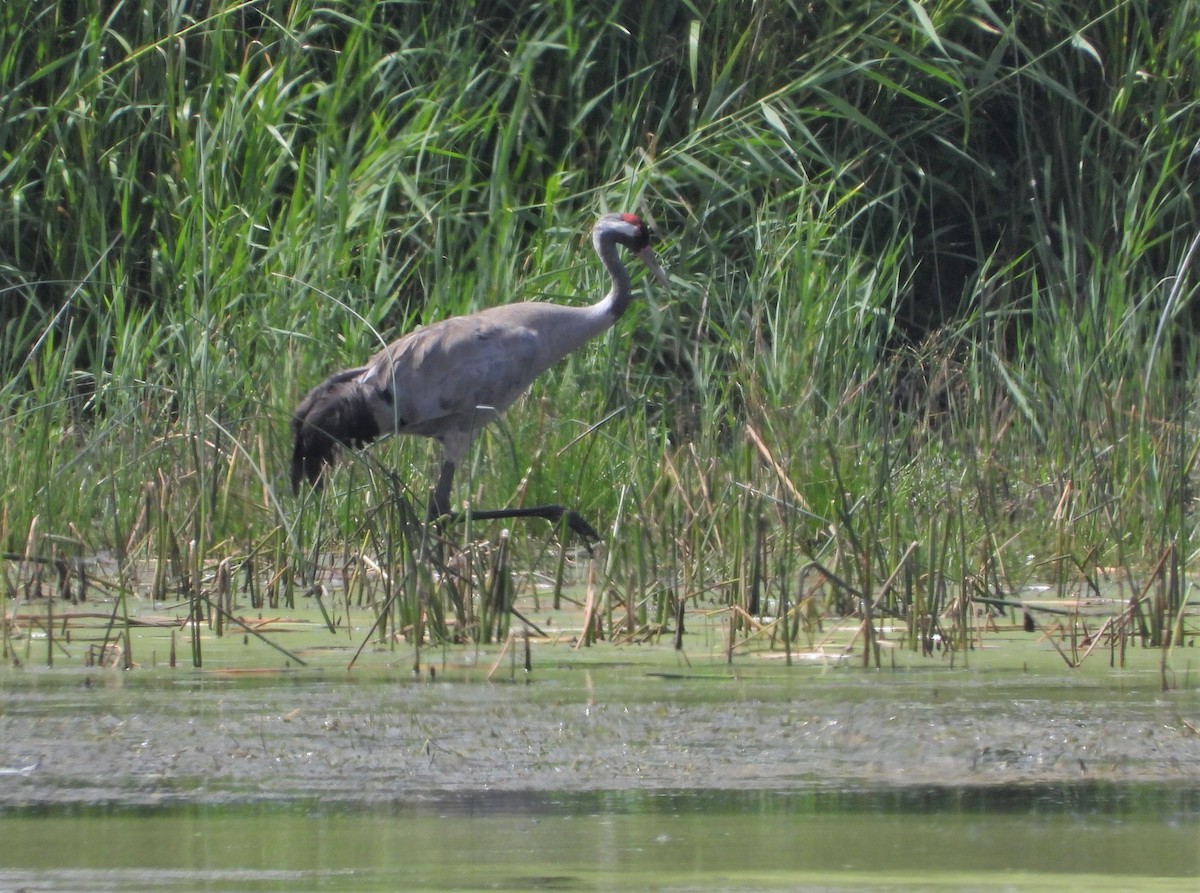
{"points": [[449, 379]]}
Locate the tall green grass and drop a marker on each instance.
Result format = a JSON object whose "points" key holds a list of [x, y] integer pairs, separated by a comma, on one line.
{"points": [[930, 335]]}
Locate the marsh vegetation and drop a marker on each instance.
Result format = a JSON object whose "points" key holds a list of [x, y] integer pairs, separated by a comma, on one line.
{"points": [[930, 339]]}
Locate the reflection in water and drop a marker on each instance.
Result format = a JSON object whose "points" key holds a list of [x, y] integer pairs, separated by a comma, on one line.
{"points": [[1074, 798]]}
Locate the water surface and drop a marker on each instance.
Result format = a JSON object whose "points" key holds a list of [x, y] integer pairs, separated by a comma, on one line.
{"points": [[1042, 837], [599, 775]]}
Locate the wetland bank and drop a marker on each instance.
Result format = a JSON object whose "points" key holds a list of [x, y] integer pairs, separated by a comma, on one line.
{"points": [[311, 747], [126, 700], [374, 737], [617, 767]]}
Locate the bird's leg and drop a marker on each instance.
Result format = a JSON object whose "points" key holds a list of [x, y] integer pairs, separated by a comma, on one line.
{"points": [[439, 500], [555, 514], [455, 447], [438, 511]]}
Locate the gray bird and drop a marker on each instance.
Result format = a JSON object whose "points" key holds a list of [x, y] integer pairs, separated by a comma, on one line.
{"points": [[449, 379]]}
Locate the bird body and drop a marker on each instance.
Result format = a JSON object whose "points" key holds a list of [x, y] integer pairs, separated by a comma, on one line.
{"points": [[449, 379], [482, 364]]}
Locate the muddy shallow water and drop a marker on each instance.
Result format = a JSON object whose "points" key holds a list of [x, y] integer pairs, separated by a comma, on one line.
{"points": [[186, 737]]}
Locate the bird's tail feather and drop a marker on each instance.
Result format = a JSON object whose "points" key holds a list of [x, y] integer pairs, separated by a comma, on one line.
{"points": [[336, 413]]}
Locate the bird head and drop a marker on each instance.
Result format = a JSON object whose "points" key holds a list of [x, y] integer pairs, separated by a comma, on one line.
{"points": [[629, 230]]}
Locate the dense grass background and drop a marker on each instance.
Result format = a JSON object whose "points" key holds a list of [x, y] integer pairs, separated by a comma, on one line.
{"points": [[932, 322]]}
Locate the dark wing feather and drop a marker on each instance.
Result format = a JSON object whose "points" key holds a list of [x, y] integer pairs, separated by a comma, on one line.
{"points": [[335, 413]]}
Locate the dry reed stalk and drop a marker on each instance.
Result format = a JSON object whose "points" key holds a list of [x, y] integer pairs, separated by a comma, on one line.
{"points": [[589, 611], [780, 474]]}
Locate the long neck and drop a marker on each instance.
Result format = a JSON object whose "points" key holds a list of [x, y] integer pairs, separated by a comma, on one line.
{"points": [[621, 293]]}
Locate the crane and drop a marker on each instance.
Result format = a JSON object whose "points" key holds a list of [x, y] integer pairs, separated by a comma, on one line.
{"points": [[448, 380]]}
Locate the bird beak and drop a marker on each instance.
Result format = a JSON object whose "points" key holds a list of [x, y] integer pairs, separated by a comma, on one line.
{"points": [[648, 258]]}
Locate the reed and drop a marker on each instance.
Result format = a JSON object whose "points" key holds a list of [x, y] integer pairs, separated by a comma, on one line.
{"points": [[930, 337]]}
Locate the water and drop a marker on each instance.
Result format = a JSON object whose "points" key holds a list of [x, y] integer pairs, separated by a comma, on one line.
{"points": [[593, 776], [1092, 837]]}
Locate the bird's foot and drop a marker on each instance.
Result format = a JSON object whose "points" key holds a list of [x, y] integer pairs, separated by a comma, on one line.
{"points": [[586, 531], [557, 514]]}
